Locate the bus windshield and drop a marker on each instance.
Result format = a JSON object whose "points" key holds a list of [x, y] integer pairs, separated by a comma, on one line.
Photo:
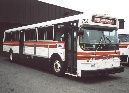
{"points": [[99, 40], [123, 37]]}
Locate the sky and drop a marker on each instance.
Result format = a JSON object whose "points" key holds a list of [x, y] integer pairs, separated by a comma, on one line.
{"points": [[115, 8]]}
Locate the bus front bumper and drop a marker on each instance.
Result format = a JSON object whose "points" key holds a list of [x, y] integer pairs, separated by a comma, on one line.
{"points": [[114, 70]]}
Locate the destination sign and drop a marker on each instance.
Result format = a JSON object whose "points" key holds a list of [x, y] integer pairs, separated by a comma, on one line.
{"points": [[103, 20]]}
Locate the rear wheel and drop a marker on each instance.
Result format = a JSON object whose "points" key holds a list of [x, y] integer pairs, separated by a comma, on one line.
{"points": [[11, 56], [21, 59], [57, 67], [128, 61]]}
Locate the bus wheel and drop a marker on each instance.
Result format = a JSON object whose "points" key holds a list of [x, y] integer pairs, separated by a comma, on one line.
{"points": [[21, 59], [11, 56], [128, 62], [57, 67]]}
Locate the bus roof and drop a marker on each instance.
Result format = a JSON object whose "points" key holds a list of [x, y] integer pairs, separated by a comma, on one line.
{"points": [[66, 19], [47, 23]]}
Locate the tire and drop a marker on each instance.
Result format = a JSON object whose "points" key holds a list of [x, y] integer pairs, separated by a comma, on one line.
{"points": [[21, 59], [128, 62], [11, 56], [57, 66]]}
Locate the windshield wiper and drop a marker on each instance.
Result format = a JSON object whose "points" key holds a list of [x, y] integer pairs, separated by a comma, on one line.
{"points": [[108, 39], [126, 39], [104, 38], [101, 39]]}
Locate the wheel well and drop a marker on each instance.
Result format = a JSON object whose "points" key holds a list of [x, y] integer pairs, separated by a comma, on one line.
{"points": [[10, 51], [54, 55]]}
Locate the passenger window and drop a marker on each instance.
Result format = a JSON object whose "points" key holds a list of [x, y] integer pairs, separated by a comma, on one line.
{"points": [[33, 34], [59, 32], [27, 35], [41, 33], [15, 36], [8, 37], [49, 33], [30, 35]]}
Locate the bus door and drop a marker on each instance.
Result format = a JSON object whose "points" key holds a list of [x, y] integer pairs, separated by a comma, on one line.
{"points": [[71, 50], [21, 44]]}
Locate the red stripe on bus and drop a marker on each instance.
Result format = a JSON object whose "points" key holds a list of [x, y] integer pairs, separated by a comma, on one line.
{"points": [[44, 46], [11, 43], [123, 45], [38, 44], [97, 55], [87, 57]]}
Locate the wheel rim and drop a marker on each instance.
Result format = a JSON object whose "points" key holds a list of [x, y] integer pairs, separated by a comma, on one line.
{"points": [[11, 56], [57, 66]]}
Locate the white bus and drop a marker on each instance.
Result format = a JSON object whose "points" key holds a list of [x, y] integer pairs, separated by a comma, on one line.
{"points": [[77, 45], [124, 46]]}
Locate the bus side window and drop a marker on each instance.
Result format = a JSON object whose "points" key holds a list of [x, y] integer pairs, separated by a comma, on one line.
{"points": [[49, 33], [59, 33], [41, 32], [8, 37], [15, 36], [27, 35], [30, 35]]}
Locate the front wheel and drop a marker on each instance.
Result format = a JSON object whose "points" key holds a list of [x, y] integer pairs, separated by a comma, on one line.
{"points": [[57, 67]]}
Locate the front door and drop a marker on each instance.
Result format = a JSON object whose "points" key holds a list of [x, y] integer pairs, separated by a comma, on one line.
{"points": [[71, 50]]}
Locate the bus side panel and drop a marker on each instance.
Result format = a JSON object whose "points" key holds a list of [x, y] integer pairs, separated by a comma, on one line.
{"points": [[36, 61], [5, 50], [7, 46], [39, 53]]}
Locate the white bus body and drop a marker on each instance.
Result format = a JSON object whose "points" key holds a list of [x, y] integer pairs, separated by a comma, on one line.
{"points": [[77, 45]]}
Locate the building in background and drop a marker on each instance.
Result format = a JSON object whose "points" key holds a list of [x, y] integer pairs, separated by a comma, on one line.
{"points": [[15, 13]]}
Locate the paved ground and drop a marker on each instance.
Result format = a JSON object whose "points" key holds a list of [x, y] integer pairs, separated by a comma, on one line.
{"points": [[17, 78]]}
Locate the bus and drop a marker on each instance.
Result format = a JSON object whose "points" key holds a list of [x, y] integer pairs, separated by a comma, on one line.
{"points": [[79, 45], [124, 47]]}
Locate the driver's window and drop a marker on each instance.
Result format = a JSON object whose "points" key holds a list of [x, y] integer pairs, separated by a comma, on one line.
{"points": [[85, 38], [106, 33]]}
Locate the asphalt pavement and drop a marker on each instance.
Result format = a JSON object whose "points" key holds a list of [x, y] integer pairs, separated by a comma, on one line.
{"points": [[19, 78]]}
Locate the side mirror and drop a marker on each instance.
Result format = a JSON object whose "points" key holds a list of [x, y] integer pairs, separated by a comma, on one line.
{"points": [[80, 33], [121, 23], [119, 41]]}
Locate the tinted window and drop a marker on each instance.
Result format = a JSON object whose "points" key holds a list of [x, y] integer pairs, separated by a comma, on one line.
{"points": [[41, 33], [49, 33], [30, 35], [15, 36], [8, 37]]}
